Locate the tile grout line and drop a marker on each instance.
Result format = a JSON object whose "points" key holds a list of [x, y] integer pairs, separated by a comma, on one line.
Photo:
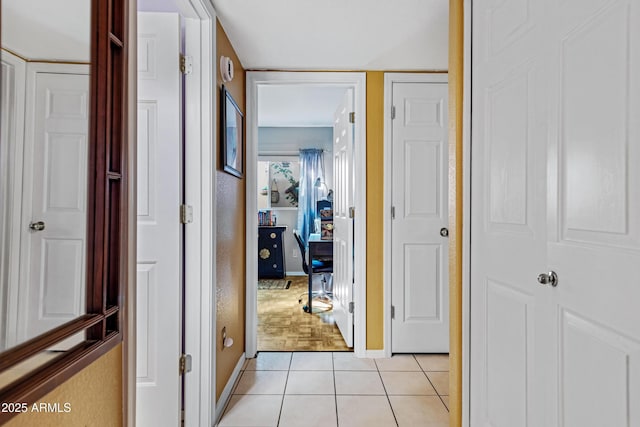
{"points": [[429, 379], [335, 389], [286, 381], [386, 394]]}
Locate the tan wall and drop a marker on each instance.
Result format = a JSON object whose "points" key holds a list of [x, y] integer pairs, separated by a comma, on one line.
{"points": [[95, 395], [230, 235], [456, 83], [375, 151]]}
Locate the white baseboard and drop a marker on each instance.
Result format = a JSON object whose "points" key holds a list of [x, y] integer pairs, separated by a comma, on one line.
{"points": [[375, 354], [226, 393], [296, 273]]}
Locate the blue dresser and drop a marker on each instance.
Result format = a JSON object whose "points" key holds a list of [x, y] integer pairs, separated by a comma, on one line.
{"points": [[271, 252]]}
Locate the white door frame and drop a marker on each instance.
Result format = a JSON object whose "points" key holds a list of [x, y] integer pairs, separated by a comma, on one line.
{"points": [[200, 160], [389, 79], [200, 184], [357, 81]]}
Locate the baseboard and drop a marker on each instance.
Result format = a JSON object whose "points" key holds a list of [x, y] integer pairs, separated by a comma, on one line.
{"points": [[375, 354], [226, 393], [296, 273]]}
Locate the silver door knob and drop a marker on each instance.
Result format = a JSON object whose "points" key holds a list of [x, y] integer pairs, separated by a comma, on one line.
{"points": [[550, 278], [444, 232], [37, 226]]}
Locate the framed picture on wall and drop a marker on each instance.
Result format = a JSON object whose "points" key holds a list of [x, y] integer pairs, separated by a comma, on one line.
{"points": [[232, 135]]}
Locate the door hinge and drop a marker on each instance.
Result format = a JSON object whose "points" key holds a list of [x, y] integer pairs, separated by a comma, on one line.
{"points": [[393, 212], [352, 117], [393, 112], [186, 214], [186, 64], [393, 312], [352, 212], [185, 363], [352, 307]]}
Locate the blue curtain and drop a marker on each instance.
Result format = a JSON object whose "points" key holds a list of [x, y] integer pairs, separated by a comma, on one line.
{"points": [[311, 168]]}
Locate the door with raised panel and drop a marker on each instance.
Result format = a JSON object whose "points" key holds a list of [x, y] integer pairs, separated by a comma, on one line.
{"points": [[53, 229], [419, 242], [555, 155], [159, 278], [343, 173]]}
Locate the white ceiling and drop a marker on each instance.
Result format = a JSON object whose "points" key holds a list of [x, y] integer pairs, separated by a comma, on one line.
{"points": [[50, 30], [337, 34], [297, 105]]}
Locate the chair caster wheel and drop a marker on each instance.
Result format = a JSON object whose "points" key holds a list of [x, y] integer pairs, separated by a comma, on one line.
{"points": [[305, 308]]}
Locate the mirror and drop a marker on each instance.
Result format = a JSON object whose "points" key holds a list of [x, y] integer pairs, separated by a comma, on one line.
{"points": [[44, 125]]}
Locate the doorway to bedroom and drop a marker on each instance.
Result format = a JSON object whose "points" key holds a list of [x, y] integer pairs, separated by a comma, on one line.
{"points": [[303, 195], [294, 185]]}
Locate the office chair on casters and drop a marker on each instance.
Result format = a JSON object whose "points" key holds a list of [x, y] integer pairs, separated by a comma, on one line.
{"points": [[319, 267]]}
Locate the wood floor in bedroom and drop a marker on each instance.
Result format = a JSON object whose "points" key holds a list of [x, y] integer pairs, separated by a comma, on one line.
{"points": [[284, 326]]}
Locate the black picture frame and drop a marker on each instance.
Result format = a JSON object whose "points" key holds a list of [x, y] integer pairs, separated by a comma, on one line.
{"points": [[232, 125]]}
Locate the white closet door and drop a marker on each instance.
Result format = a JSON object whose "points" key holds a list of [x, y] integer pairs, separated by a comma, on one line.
{"points": [[159, 294], [419, 271], [54, 194], [555, 155]]}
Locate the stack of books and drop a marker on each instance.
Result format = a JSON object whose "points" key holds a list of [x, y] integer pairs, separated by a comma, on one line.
{"points": [[266, 219]]}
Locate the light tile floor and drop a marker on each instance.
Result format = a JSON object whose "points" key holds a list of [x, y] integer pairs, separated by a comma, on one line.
{"points": [[309, 389]]}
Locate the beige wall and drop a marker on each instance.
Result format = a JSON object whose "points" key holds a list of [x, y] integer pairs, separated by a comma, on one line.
{"points": [[456, 83], [375, 149], [95, 395], [230, 235]]}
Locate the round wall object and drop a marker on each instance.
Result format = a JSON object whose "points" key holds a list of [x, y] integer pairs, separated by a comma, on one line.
{"points": [[226, 68]]}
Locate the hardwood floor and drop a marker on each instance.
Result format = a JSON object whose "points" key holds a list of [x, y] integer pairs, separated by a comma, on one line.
{"points": [[284, 326]]}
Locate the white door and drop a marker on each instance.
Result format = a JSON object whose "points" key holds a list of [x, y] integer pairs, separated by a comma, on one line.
{"points": [[159, 293], [555, 167], [419, 270], [343, 223], [52, 260]]}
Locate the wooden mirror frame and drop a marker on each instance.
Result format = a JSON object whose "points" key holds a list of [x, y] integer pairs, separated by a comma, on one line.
{"points": [[107, 231]]}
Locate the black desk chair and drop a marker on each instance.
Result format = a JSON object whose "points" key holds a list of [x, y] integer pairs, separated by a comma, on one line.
{"points": [[322, 267]]}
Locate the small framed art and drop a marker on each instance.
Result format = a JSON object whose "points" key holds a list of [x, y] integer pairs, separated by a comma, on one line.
{"points": [[232, 135]]}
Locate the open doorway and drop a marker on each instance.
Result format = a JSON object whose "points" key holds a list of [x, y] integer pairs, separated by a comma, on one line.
{"points": [[295, 155], [295, 196]]}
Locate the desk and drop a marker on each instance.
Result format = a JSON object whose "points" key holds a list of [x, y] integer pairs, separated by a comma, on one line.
{"points": [[318, 249]]}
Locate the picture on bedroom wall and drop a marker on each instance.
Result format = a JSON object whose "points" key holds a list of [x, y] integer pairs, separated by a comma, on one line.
{"points": [[285, 177], [232, 135], [278, 183]]}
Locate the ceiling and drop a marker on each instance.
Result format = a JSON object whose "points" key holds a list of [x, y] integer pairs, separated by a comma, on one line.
{"points": [[45, 30], [337, 34], [298, 105]]}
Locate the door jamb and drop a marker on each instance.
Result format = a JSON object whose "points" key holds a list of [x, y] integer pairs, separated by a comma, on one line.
{"points": [[389, 79], [200, 177], [347, 79]]}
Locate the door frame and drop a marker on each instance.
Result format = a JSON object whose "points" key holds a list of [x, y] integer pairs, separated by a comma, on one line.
{"points": [[200, 159], [389, 79], [354, 80]]}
